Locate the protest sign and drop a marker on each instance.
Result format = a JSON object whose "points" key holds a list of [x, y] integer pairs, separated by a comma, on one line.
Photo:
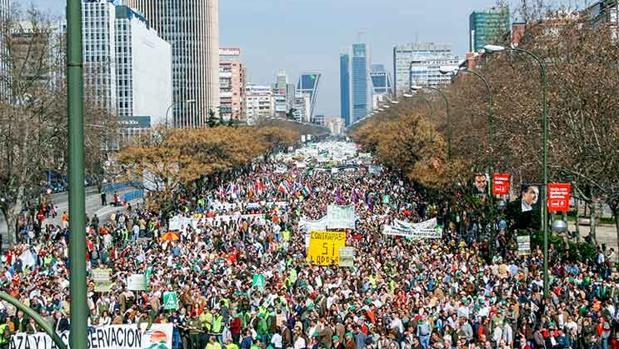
{"points": [[347, 257], [159, 336], [375, 169], [559, 197], [324, 247], [524, 245], [258, 281], [341, 217], [136, 282], [423, 230], [102, 279], [170, 301], [500, 184]]}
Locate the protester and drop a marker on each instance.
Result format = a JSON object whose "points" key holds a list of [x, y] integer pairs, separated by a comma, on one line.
{"points": [[235, 255]]}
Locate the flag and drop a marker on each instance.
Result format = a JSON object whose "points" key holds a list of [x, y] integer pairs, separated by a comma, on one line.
{"points": [[282, 188]]}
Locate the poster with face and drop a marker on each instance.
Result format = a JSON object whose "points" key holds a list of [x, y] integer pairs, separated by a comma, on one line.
{"points": [[480, 184], [529, 197], [525, 212]]}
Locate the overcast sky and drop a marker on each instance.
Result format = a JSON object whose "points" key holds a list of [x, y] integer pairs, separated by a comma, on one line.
{"points": [[309, 35]]}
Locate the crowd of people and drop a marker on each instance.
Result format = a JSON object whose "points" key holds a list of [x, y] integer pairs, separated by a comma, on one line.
{"points": [[399, 294]]}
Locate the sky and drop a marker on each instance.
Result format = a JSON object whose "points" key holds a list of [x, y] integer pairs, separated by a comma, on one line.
{"points": [[308, 35]]}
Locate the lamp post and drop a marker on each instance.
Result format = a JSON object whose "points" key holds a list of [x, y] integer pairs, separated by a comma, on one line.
{"points": [[189, 101], [490, 49], [77, 198], [444, 96]]}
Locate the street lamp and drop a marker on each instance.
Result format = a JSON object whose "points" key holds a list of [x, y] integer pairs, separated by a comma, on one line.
{"points": [[418, 88], [490, 49], [189, 101]]}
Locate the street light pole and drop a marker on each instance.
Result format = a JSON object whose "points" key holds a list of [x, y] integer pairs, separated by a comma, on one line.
{"points": [[544, 82], [77, 215], [189, 101]]}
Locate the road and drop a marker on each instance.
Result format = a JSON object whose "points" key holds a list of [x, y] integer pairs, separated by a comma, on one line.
{"points": [[93, 206]]}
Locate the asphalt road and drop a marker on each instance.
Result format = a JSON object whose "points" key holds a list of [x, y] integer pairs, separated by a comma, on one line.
{"points": [[93, 206]]}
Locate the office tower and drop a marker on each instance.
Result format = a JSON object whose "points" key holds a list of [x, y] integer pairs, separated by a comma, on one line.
{"points": [[192, 28], [259, 102], [345, 88], [120, 73], [488, 27], [360, 85], [381, 84], [232, 75], [280, 95], [99, 52], [308, 85], [419, 63]]}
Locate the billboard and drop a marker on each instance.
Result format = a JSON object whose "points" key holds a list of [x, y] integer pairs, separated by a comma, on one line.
{"points": [[500, 184], [525, 212]]}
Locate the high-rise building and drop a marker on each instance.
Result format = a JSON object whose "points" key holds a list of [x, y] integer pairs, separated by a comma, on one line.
{"points": [[259, 102], [345, 88], [302, 107], [99, 51], [280, 95], [308, 85], [488, 27], [120, 73], [232, 81], [192, 28], [360, 84], [143, 84], [381, 84], [419, 63]]}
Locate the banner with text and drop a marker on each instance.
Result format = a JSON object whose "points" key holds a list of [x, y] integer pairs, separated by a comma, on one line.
{"points": [[500, 184], [159, 336], [423, 230], [559, 197]]}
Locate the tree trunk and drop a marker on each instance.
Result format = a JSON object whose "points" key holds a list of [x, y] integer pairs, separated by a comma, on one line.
{"points": [[11, 215], [592, 220]]}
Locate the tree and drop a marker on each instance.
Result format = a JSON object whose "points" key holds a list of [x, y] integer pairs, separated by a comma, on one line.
{"points": [[33, 131]]}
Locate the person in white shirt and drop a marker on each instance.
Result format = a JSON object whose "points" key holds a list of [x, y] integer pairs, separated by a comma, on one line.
{"points": [[299, 342], [277, 340]]}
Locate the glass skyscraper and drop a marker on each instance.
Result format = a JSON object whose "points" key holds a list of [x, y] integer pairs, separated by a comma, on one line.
{"points": [[308, 85], [488, 27], [345, 88], [360, 76]]}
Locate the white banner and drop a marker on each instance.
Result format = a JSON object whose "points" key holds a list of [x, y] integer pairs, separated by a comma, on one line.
{"points": [[423, 230], [177, 221], [159, 336], [341, 217]]}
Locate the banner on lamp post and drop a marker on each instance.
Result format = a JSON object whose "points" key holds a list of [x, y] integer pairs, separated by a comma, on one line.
{"points": [[559, 197], [500, 184]]}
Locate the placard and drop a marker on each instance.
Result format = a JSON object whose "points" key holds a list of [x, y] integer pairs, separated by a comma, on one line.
{"points": [[347, 257], [102, 279], [559, 197], [524, 245], [500, 184], [324, 247], [136, 282], [170, 301]]}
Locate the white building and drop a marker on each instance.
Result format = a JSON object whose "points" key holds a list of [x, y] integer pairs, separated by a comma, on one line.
{"points": [[260, 102], [128, 67], [302, 107], [420, 62], [144, 84], [192, 27]]}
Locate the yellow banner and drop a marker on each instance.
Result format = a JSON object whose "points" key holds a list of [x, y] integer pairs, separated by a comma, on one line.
{"points": [[324, 247]]}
